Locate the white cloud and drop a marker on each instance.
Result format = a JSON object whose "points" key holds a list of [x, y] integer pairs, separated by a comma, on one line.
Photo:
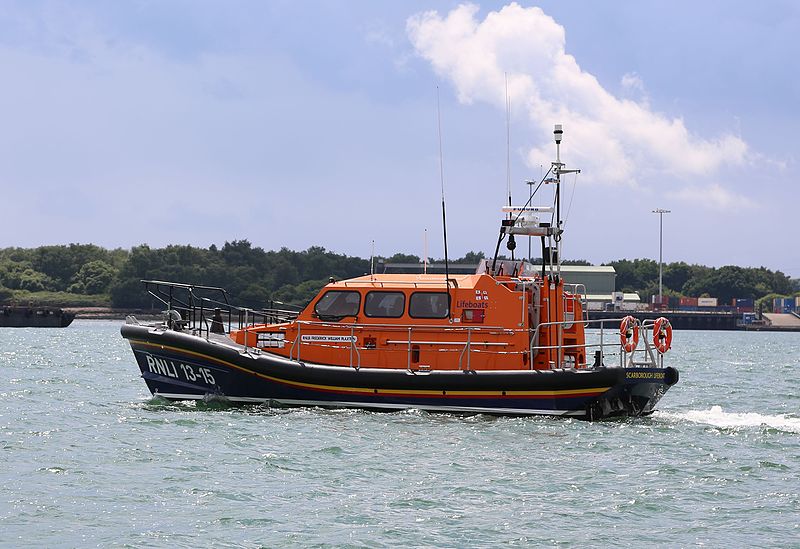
{"points": [[714, 197], [377, 34], [633, 88], [615, 140], [632, 81]]}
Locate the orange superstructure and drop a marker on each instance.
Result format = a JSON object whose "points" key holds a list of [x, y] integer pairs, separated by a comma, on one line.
{"points": [[475, 322]]}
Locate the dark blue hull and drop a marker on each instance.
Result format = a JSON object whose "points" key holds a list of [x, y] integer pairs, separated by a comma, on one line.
{"points": [[180, 366]]}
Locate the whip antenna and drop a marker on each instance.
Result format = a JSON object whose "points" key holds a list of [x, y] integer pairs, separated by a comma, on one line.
{"points": [[425, 252], [372, 261], [508, 144], [511, 244], [444, 217]]}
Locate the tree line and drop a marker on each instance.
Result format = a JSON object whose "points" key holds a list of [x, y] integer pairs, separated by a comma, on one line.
{"points": [[86, 275], [681, 279]]}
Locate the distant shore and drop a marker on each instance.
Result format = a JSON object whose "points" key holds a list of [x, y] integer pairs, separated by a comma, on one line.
{"points": [[110, 313]]}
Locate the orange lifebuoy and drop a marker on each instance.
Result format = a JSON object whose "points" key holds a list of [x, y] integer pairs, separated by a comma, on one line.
{"points": [[662, 335], [629, 334]]}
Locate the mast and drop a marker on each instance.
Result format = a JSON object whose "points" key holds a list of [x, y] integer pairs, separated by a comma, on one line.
{"points": [[558, 170], [524, 220], [558, 134]]}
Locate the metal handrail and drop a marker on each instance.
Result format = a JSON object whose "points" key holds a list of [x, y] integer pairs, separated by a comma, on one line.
{"points": [[352, 348], [410, 283], [194, 308], [468, 345], [467, 349]]}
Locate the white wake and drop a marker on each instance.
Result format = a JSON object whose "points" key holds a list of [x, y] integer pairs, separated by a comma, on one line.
{"points": [[733, 420]]}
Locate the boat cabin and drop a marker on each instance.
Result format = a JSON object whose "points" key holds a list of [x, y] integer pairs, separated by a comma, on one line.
{"points": [[510, 319]]}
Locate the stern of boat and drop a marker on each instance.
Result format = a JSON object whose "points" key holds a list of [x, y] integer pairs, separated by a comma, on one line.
{"points": [[637, 394]]}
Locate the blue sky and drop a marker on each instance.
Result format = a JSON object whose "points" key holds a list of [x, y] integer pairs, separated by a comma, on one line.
{"points": [[297, 124]]}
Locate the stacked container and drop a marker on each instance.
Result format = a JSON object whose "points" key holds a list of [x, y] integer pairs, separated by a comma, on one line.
{"points": [[784, 304], [659, 303]]}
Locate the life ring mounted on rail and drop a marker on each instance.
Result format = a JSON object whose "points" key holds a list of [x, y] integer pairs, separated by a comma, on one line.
{"points": [[662, 335], [629, 334]]}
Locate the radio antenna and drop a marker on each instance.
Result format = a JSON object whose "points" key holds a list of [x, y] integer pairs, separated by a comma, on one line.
{"points": [[425, 252], [444, 216], [508, 144], [372, 262], [511, 244]]}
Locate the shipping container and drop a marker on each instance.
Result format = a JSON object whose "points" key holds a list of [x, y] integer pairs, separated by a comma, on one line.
{"points": [[783, 304], [744, 302], [688, 302], [744, 309], [706, 301], [659, 303], [674, 302]]}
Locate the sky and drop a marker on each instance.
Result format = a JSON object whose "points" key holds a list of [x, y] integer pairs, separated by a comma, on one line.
{"points": [[299, 124]]}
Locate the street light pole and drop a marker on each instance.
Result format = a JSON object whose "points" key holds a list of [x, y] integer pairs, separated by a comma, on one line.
{"points": [[660, 212]]}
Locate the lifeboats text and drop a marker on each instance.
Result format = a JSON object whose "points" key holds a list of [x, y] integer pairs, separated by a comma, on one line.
{"points": [[464, 304]]}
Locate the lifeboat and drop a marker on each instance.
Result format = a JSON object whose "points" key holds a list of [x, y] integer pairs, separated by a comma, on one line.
{"points": [[511, 339]]}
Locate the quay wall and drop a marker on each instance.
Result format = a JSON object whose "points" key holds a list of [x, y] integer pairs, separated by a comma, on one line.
{"points": [[680, 320]]}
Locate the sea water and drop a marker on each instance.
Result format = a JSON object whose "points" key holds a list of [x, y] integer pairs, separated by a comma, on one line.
{"points": [[89, 459]]}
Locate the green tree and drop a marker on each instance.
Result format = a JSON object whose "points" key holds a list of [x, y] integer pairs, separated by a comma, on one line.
{"points": [[301, 294], [22, 276], [61, 263], [5, 294], [675, 275], [254, 296], [633, 276], [94, 277], [403, 258], [471, 258]]}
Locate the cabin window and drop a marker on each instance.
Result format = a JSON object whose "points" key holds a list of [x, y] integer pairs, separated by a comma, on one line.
{"points": [[337, 304], [429, 305], [385, 304]]}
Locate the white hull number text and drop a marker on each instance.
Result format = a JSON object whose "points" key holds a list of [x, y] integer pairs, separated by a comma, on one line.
{"points": [[168, 368]]}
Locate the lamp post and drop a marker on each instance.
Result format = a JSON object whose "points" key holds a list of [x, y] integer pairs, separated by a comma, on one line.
{"points": [[660, 212]]}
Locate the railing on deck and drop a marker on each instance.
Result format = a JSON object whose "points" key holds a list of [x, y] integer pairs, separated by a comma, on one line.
{"points": [[651, 357], [203, 310], [603, 339]]}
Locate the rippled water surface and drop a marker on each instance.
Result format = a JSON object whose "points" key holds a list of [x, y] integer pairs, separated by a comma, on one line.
{"points": [[90, 459]]}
